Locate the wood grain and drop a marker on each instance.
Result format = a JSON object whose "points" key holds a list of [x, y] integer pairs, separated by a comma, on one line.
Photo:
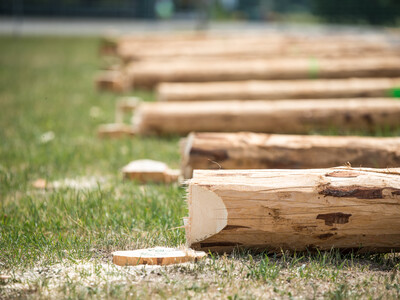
{"points": [[296, 116], [147, 74], [279, 89]]}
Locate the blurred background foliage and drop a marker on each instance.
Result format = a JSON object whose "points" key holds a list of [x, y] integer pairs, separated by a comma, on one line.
{"points": [[376, 12], [358, 11]]}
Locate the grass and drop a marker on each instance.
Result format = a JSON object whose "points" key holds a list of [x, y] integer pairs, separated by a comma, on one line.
{"points": [[57, 243]]}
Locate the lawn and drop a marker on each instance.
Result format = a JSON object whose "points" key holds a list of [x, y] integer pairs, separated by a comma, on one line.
{"points": [[57, 243]]}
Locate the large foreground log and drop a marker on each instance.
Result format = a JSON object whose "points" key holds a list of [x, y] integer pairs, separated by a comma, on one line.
{"points": [[247, 150], [294, 209], [285, 89], [295, 116], [148, 74]]}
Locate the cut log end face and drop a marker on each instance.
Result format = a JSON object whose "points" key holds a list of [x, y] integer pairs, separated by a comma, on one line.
{"points": [[156, 256], [112, 80]]}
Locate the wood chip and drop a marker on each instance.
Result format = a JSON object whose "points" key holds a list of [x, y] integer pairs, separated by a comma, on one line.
{"points": [[156, 256], [114, 130], [4, 277], [40, 184], [147, 170]]}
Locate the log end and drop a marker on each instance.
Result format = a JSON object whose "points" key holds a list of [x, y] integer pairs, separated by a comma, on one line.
{"points": [[208, 214], [112, 80]]}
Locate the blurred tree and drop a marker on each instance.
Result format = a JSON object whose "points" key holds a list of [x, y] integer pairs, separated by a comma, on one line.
{"points": [[358, 11]]}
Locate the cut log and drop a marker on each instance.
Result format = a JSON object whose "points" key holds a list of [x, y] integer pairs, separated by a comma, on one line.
{"points": [[148, 74], [156, 256], [296, 116], [282, 89], [252, 49], [295, 210], [199, 45], [137, 42], [206, 46], [247, 150], [147, 170]]}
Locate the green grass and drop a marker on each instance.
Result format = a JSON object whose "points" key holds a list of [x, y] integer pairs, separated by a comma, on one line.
{"points": [[57, 243]]}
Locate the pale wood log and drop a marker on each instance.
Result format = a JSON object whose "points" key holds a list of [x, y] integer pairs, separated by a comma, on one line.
{"points": [[147, 170], [295, 210], [247, 150], [148, 74], [156, 256], [117, 44], [204, 46], [296, 116], [200, 45], [279, 89], [260, 50]]}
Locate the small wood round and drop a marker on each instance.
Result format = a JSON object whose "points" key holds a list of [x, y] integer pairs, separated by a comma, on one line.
{"points": [[156, 256]]}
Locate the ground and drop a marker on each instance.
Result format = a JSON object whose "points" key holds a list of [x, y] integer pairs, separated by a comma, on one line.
{"points": [[57, 243]]}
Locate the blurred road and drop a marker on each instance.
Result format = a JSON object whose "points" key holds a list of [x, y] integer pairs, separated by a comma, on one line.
{"points": [[90, 27]]}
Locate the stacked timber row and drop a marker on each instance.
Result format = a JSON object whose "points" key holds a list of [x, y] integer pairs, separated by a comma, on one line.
{"points": [[280, 89], [246, 150], [130, 44], [251, 48], [289, 116], [201, 45], [148, 74], [294, 210]]}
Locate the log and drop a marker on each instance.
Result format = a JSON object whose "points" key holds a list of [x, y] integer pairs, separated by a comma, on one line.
{"points": [[280, 89], [265, 48], [295, 210], [290, 116], [113, 44], [148, 74], [199, 45], [114, 130], [247, 150], [204, 46], [113, 80]]}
